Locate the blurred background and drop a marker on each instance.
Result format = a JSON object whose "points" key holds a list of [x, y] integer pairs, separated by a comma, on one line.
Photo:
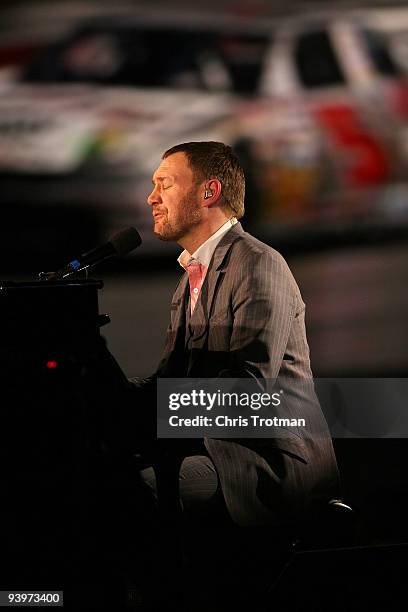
{"points": [[315, 103], [313, 96]]}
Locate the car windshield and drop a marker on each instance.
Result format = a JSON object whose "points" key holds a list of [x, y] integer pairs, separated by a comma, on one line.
{"points": [[377, 46], [154, 58]]}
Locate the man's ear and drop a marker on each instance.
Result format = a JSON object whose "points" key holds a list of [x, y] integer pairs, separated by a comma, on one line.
{"points": [[212, 191]]}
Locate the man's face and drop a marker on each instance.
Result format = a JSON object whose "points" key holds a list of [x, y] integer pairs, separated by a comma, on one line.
{"points": [[174, 199]]}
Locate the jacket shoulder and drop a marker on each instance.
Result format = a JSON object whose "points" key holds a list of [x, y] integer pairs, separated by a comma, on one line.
{"points": [[253, 257], [253, 249]]}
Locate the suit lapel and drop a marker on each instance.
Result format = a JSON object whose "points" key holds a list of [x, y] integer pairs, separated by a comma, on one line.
{"points": [[218, 266], [178, 314]]}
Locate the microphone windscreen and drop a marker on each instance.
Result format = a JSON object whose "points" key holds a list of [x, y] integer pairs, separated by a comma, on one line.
{"points": [[126, 241]]}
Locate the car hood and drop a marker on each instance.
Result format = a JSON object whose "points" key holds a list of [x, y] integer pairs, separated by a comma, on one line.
{"points": [[58, 129]]}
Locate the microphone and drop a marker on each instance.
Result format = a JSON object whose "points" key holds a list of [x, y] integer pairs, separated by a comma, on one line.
{"points": [[120, 244]]}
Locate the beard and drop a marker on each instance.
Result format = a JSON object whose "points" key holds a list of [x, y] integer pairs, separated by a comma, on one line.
{"points": [[189, 215]]}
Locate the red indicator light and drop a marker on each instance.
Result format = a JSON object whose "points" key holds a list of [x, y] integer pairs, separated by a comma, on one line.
{"points": [[51, 365]]}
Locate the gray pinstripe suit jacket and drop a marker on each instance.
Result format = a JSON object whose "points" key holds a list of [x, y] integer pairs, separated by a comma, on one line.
{"points": [[249, 322]]}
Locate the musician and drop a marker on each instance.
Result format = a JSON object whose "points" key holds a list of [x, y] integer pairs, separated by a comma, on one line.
{"points": [[237, 312]]}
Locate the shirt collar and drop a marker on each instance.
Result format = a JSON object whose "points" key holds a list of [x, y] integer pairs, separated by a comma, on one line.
{"points": [[205, 251]]}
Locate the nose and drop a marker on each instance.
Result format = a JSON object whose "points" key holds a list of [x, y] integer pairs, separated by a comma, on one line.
{"points": [[154, 197]]}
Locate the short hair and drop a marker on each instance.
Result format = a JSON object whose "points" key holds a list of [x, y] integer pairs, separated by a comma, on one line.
{"points": [[216, 160]]}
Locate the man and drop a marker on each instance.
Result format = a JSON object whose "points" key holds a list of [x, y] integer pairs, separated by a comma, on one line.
{"points": [[237, 312]]}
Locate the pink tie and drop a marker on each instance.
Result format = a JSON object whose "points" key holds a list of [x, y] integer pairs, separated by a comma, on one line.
{"points": [[196, 273]]}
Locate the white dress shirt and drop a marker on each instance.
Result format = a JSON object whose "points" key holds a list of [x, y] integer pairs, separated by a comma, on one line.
{"points": [[205, 252]]}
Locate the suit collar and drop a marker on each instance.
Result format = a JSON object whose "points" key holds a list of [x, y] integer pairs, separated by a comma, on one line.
{"points": [[216, 263], [205, 252], [202, 312], [225, 244]]}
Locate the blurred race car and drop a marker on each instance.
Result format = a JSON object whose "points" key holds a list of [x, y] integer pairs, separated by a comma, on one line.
{"points": [[315, 107]]}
